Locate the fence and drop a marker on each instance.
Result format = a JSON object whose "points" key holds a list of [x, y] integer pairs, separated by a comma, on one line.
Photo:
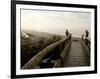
{"points": [[50, 53], [87, 42]]}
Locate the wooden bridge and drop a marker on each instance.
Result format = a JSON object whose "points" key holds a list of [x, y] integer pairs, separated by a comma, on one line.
{"points": [[68, 52]]}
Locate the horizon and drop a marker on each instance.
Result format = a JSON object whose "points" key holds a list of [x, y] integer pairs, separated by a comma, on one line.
{"points": [[56, 22]]}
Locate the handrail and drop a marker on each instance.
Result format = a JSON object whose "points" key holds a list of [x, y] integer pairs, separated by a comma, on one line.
{"points": [[33, 62], [87, 41]]}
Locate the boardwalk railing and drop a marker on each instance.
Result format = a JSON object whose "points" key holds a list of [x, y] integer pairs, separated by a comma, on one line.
{"points": [[50, 52], [87, 42]]}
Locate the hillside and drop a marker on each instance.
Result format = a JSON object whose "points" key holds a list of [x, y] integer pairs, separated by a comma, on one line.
{"points": [[32, 42]]}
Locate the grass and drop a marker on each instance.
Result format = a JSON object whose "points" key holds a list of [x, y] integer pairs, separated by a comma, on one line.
{"points": [[36, 42]]}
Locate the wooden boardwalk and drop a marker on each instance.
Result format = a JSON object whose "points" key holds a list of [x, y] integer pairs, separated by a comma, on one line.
{"points": [[66, 53], [77, 54]]}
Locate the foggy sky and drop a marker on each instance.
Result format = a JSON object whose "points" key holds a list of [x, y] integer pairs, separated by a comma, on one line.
{"points": [[55, 22]]}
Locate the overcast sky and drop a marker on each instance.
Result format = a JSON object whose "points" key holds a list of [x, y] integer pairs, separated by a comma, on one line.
{"points": [[55, 22]]}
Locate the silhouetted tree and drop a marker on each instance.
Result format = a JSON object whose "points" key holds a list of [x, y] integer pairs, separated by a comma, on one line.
{"points": [[87, 33], [67, 33]]}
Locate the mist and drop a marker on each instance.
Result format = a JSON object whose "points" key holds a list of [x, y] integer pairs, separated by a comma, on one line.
{"points": [[56, 22]]}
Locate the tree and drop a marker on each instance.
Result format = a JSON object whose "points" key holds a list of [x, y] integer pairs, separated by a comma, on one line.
{"points": [[67, 33], [87, 33]]}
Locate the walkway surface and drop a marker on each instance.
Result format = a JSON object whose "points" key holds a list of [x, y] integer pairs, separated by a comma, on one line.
{"points": [[77, 54]]}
